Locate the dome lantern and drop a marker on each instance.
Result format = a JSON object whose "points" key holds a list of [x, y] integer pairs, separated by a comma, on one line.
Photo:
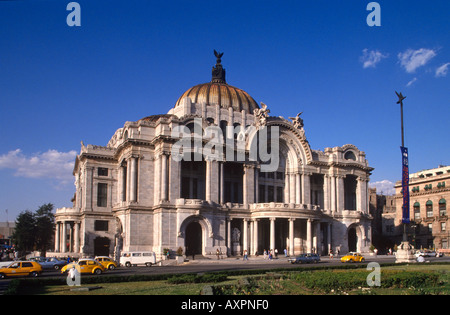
{"points": [[218, 92]]}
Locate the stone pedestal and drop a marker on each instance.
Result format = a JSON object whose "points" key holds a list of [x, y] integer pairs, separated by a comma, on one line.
{"points": [[405, 253], [236, 249]]}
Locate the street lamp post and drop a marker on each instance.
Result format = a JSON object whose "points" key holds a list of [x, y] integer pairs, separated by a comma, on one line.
{"points": [[405, 253], [405, 220]]}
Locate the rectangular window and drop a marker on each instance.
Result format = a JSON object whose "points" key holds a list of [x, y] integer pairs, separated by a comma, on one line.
{"points": [[429, 211], [102, 193], [102, 171], [270, 194], [280, 194], [185, 187], [442, 209], [101, 225], [262, 193]]}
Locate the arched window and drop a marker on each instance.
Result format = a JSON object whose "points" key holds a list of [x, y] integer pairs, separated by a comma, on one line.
{"points": [[442, 208], [416, 211], [349, 155], [429, 207]]}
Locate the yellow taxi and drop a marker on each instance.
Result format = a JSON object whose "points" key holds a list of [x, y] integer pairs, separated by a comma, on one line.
{"points": [[352, 257], [89, 266], [21, 268], [107, 262]]}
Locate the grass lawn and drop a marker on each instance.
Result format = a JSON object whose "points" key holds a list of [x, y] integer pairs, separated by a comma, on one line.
{"points": [[395, 280]]}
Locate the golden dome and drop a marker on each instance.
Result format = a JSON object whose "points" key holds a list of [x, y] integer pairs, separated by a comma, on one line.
{"points": [[218, 92], [222, 94]]}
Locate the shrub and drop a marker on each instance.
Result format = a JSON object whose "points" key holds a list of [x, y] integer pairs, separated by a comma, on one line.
{"points": [[195, 278]]}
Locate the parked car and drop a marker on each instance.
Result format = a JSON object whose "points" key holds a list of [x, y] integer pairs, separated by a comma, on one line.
{"points": [[49, 262], [21, 268], [107, 262], [305, 259], [89, 266], [137, 258], [427, 253], [353, 257]]}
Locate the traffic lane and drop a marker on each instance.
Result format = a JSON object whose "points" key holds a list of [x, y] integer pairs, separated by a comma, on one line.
{"points": [[198, 267], [210, 266]]}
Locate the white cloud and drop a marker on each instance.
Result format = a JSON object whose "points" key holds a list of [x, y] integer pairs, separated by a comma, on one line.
{"points": [[442, 70], [411, 82], [51, 164], [413, 59], [384, 187], [370, 58]]}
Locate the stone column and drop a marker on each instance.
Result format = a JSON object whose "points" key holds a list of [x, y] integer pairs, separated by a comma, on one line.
{"points": [[333, 194], [329, 236], [57, 233], [255, 236], [287, 189], [252, 241], [89, 182], [163, 176], [272, 233], [133, 179], [326, 192], [245, 236], [291, 237], [76, 246], [308, 235], [340, 193], [292, 188], [222, 183], [317, 239], [306, 188], [229, 235], [64, 237], [208, 180], [298, 190], [361, 195]]}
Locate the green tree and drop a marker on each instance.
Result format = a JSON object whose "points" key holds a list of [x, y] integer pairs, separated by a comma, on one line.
{"points": [[45, 228], [24, 232], [34, 231]]}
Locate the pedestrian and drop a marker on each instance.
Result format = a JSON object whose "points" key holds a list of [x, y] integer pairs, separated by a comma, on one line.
{"points": [[265, 254], [218, 254], [285, 252], [168, 255], [245, 255], [331, 254]]}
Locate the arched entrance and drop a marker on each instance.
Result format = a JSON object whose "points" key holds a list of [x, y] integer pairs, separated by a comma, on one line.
{"points": [[352, 240], [193, 240]]}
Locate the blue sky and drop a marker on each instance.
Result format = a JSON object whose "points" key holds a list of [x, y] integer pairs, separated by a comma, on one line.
{"points": [[60, 85]]}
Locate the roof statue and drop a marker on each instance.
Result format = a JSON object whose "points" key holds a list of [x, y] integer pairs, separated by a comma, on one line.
{"points": [[298, 122], [218, 72], [261, 115]]}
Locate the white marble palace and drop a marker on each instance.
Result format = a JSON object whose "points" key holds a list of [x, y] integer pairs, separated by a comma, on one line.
{"points": [[153, 187]]}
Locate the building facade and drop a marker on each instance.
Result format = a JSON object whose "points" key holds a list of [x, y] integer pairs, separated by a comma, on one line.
{"points": [[383, 211], [191, 179], [429, 193]]}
